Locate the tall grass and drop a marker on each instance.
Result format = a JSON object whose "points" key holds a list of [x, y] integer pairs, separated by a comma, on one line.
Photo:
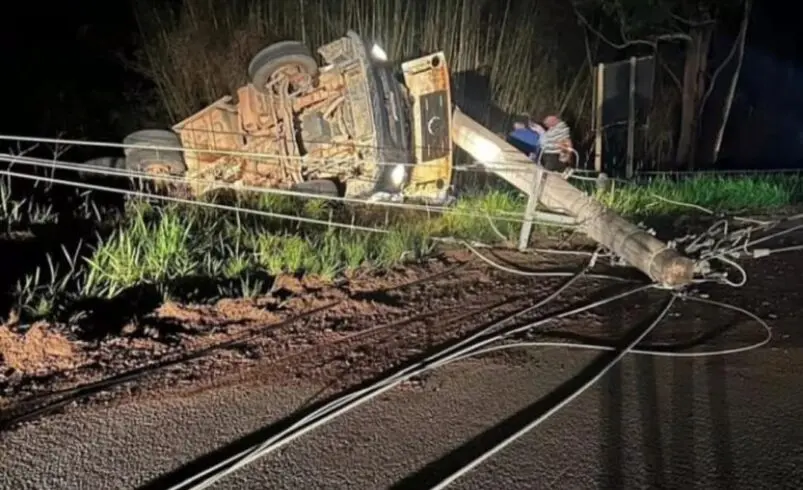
{"points": [[173, 248], [662, 196], [195, 253], [528, 51], [15, 213]]}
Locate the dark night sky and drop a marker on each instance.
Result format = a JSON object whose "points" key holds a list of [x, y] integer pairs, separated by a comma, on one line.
{"points": [[61, 60]]}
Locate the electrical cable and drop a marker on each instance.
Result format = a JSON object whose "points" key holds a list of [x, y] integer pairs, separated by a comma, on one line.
{"points": [[718, 243], [216, 133], [510, 217], [466, 348], [340, 403], [303, 219], [348, 402], [651, 352], [558, 406], [511, 270], [51, 164], [224, 207], [630, 349], [736, 266], [331, 410], [770, 237], [764, 252], [513, 166], [710, 249]]}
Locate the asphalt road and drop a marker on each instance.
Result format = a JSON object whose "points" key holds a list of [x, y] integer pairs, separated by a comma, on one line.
{"points": [[722, 423]]}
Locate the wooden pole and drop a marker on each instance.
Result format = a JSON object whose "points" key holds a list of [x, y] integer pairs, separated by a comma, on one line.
{"points": [[600, 97], [631, 120], [532, 204], [662, 264]]}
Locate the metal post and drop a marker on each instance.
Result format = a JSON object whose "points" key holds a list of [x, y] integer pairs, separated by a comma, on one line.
{"points": [[631, 120], [532, 204], [598, 119]]}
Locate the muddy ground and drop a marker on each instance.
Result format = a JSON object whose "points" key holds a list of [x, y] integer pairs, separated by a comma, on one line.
{"points": [[346, 333]]}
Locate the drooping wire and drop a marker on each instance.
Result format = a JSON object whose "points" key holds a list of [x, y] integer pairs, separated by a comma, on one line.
{"points": [[507, 216]]}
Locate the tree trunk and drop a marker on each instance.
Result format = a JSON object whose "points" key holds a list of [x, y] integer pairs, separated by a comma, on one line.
{"points": [[694, 84]]}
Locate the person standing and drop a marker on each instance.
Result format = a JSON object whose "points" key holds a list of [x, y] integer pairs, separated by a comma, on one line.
{"points": [[556, 146]]}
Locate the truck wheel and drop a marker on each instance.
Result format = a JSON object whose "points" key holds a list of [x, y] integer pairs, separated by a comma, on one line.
{"points": [[290, 58], [106, 162], [320, 187], [157, 161]]}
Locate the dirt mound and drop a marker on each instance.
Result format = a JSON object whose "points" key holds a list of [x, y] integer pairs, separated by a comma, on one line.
{"points": [[38, 349], [224, 312]]}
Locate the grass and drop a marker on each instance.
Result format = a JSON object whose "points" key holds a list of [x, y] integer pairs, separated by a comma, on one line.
{"points": [[19, 213], [182, 251], [719, 194], [193, 253]]}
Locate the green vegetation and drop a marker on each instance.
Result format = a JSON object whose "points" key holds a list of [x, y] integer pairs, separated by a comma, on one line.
{"points": [[716, 193], [533, 56], [194, 253], [16, 213]]}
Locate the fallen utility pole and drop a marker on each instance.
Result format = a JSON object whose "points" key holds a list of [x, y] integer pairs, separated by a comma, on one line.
{"points": [[638, 248]]}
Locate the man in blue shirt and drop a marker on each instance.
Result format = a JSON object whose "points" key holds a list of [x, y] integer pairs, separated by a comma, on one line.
{"points": [[527, 138], [549, 144]]}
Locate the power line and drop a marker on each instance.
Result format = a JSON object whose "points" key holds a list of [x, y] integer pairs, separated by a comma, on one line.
{"points": [[224, 207], [512, 166], [322, 142], [471, 346], [558, 406], [133, 174], [507, 216], [465, 348], [349, 402]]}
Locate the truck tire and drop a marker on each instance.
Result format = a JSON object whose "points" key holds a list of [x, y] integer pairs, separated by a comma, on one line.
{"points": [[157, 160], [113, 163], [280, 55], [320, 187]]}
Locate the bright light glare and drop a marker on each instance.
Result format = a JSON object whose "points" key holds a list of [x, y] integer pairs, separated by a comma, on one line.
{"points": [[486, 152], [378, 53], [397, 175]]}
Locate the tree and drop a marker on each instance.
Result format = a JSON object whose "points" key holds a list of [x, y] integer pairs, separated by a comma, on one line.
{"points": [[647, 24]]}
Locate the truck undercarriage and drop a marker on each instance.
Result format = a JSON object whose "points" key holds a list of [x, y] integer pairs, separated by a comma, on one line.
{"points": [[352, 127]]}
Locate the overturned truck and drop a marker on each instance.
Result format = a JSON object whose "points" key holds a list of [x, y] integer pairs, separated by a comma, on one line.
{"points": [[354, 126]]}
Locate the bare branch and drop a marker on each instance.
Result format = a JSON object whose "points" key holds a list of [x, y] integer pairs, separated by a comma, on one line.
{"points": [[691, 23], [718, 71], [737, 43], [735, 80], [679, 36], [602, 36]]}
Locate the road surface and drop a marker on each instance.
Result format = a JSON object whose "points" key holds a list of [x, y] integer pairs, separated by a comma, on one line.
{"points": [[722, 423]]}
